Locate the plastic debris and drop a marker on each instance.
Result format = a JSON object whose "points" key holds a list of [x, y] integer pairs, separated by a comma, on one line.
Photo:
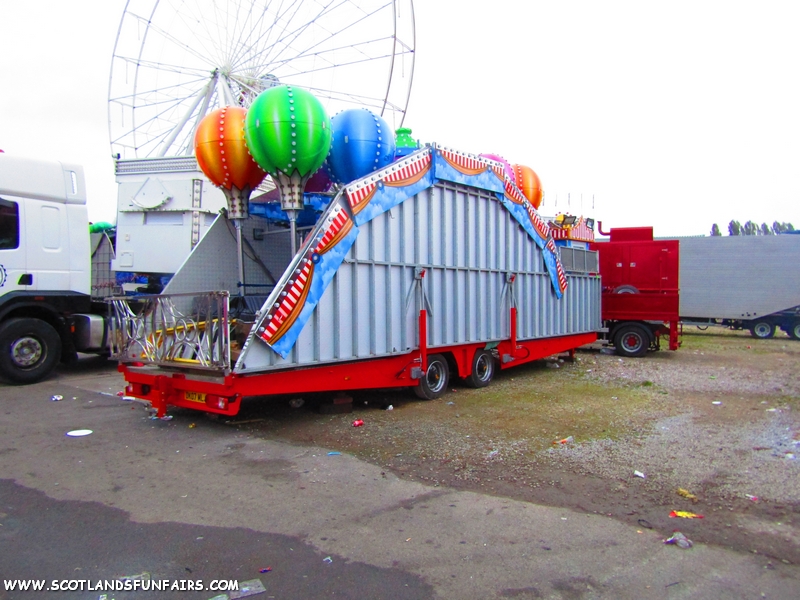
{"points": [[265, 570], [751, 497], [327, 559], [639, 474], [686, 494], [451, 403], [79, 432], [358, 423], [57, 398], [684, 514], [390, 407], [120, 394], [144, 576], [128, 398], [566, 440], [680, 540], [248, 588], [334, 453], [716, 402]]}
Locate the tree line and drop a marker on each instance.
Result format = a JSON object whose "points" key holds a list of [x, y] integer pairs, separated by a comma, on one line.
{"points": [[751, 228]]}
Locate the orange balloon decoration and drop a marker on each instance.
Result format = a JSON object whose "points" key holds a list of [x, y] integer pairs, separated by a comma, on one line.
{"points": [[528, 183], [223, 156]]}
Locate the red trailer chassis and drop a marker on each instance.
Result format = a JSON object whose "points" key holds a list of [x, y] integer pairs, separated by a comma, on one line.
{"points": [[222, 394]]}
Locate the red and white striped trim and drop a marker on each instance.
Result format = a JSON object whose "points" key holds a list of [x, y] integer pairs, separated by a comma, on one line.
{"points": [[290, 306], [361, 191], [470, 162]]}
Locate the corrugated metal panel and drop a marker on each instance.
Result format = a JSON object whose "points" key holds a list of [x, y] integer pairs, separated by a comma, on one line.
{"points": [[468, 244], [578, 260], [734, 277]]}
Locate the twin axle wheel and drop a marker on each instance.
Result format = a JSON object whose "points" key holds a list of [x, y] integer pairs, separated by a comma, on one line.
{"points": [[433, 382]]}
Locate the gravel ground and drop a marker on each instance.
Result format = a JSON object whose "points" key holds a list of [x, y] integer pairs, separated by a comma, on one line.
{"points": [[720, 418]]}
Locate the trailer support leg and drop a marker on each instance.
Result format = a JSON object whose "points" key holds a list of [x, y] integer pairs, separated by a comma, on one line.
{"points": [[423, 340]]}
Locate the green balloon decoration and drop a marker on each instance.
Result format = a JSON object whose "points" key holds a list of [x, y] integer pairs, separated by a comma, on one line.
{"points": [[288, 133]]}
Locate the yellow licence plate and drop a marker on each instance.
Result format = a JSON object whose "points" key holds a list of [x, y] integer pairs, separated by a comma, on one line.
{"points": [[194, 396]]}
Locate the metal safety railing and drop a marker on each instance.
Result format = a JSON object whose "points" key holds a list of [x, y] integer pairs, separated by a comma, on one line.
{"points": [[186, 330]]}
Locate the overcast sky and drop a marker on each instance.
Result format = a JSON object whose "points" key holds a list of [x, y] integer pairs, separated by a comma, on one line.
{"points": [[676, 115]]}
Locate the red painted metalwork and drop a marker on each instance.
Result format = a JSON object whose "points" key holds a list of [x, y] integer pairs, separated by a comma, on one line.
{"points": [[223, 395], [640, 279]]}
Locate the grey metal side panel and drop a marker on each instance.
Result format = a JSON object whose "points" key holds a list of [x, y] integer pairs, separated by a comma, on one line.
{"points": [[468, 245], [734, 277], [212, 265]]}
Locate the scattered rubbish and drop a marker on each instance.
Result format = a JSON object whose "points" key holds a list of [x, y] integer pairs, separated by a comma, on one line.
{"points": [[57, 398], [451, 403], [265, 570], [686, 494], [327, 559], [614, 398], [717, 402], [553, 365], [358, 423], [751, 497], [243, 422], [772, 410], [645, 523], [680, 540], [79, 432], [789, 456], [334, 453], [671, 584], [128, 398], [248, 588], [390, 407], [493, 453], [120, 394], [192, 425], [296, 402], [566, 440], [713, 377], [408, 540], [145, 576], [639, 474], [684, 514], [164, 418]]}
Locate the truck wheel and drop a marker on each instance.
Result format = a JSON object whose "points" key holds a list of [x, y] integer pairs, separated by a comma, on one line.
{"points": [[632, 340], [483, 367], [433, 382], [29, 350], [794, 332], [762, 330]]}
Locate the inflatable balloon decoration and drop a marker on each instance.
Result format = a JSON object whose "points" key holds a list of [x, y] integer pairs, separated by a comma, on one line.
{"points": [[362, 143], [528, 183], [288, 134], [507, 169], [222, 155]]}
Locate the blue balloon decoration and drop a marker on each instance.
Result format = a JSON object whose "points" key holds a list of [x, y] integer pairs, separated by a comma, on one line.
{"points": [[362, 143]]}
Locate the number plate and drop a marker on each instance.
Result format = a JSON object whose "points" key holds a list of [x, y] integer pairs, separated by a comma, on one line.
{"points": [[194, 397]]}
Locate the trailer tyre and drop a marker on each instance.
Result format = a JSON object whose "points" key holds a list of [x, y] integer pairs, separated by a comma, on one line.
{"points": [[794, 332], [632, 340], [483, 367], [762, 330], [433, 382], [29, 350]]}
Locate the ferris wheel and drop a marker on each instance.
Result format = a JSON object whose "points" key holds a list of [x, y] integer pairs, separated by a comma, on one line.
{"points": [[176, 60]]}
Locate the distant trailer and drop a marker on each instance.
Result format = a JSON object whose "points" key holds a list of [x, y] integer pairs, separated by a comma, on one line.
{"points": [[742, 282], [433, 267]]}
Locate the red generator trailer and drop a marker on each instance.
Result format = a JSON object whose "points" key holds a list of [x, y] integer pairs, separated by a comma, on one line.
{"points": [[640, 289]]}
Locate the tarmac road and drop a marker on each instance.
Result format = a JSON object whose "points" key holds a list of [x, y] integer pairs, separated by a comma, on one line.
{"points": [[196, 499]]}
